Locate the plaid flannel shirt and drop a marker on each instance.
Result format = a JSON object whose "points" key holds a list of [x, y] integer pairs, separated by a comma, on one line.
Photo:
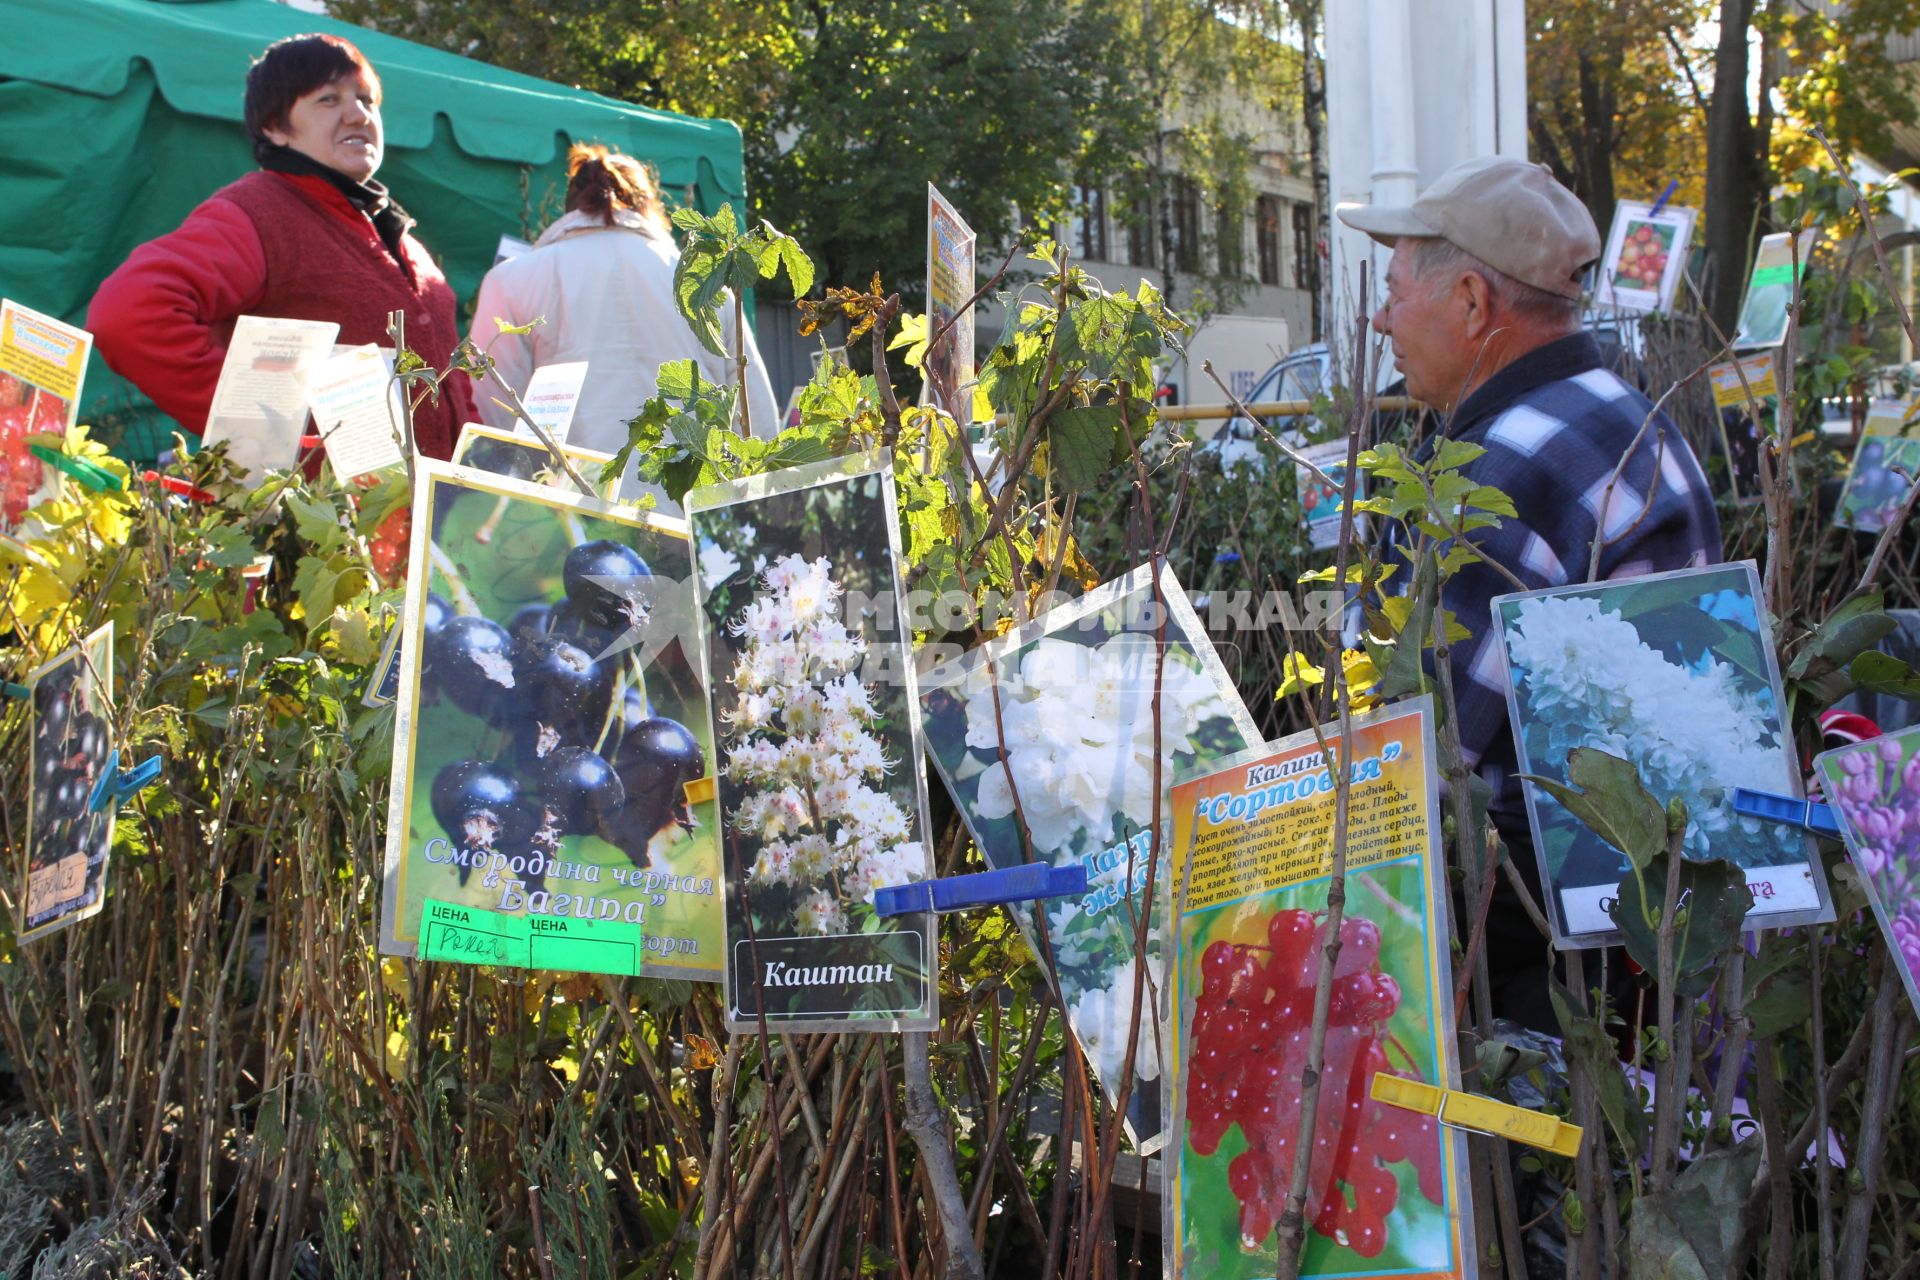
{"points": [[1554, 424]]}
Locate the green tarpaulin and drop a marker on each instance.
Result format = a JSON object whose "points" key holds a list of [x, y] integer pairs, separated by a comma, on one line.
{"points": [[117, 117]]}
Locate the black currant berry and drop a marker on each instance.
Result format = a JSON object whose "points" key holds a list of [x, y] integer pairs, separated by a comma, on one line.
{"points": [[658, 755], [55, 707], [90, 738], [530, 622], [634, 826], [581, 788], [564, 686], [597, 577], [435, 614], [48, 769], [472, 661], [70, 796], [528, 827], [655, 762], [469, 800]]}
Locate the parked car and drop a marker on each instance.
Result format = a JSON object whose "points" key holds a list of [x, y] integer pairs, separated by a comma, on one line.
{"points": [[1301, 375]]}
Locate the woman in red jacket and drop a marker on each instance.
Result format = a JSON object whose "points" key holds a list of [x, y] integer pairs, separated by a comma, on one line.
{"points": [[311, 236]]}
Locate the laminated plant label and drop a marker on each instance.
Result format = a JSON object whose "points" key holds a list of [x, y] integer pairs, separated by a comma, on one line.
{"points": [[1748, 400], [1058, 716], [1252, 846], [816, 718], [1873, 788], [550, 735], [72, 735], [522, 457], [1777, 265], [260, 402], [42, 363], [1645, 256], [951, 248], [1885, 467], [1675, 673]]}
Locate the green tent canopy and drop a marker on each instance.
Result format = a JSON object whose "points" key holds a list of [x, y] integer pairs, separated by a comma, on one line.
{"points": [[117, 117]]}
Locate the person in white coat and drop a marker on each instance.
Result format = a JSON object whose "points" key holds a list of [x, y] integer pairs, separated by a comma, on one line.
{"points": [[601, 278]]}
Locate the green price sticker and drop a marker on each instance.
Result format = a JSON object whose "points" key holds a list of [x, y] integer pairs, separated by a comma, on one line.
{"points": [[470, 935]]}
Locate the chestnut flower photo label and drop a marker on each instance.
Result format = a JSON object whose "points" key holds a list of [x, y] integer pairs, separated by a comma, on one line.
{"points": [[1673, 673], [1060, 717], [822, 802]]}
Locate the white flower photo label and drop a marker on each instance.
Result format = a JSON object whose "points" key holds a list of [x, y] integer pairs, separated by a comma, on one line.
{"points": [[817, 735], [1061, 714], [1675, 673]]}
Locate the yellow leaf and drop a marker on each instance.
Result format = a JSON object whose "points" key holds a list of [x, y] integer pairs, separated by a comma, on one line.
{"points": [[1298, 675]]}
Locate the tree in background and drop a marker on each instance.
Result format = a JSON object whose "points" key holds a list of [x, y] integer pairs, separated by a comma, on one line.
{"points": [[847, 108], [1613, 106]]}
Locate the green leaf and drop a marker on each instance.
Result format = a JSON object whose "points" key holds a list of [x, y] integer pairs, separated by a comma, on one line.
{"points": [[528, 327], [1406, 674], [799, 266], [1846, 634], [1587, 1042], [1081, 444], [1453, 454], [1713, 905], [1883, 673], [1611, 802]]}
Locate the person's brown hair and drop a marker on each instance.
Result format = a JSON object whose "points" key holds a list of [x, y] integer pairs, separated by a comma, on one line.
{"points": [[288, 71], [601, 180]]}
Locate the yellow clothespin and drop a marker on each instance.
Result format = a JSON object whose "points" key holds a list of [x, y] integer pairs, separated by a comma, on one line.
{"points": [[1482, 1115], [700, 790]]}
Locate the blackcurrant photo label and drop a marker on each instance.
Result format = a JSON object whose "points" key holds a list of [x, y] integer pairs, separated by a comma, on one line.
{"points": [[546, 734]]}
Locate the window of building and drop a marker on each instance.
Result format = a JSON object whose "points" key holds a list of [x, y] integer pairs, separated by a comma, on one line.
{"points": [[1089, 233], [1143, 232], [1266, 236], [1229, 232], [1306, 250], [1186, 224]]}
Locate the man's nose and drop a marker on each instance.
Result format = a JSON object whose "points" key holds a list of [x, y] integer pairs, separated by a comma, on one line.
{"points": [[1380, 320]]}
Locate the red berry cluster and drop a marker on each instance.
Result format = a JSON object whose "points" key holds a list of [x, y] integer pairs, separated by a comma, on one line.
{"points": [[20, 472], [1251, 1031], [389, 544]]}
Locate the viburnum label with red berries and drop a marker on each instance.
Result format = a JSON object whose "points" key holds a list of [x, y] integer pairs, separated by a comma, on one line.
{"points": [[42, 363], [1252, 842]]}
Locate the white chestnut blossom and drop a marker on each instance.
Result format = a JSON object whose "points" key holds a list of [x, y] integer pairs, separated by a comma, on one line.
{"points": [[802, 743]]}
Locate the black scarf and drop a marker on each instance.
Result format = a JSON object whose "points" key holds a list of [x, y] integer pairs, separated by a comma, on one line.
{"points": [[369, 197]]}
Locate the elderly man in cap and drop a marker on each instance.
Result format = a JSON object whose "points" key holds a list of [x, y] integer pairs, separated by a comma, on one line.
{"points": [[1483, 313]]}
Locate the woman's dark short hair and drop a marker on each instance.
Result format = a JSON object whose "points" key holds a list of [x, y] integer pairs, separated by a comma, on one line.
{"points": [[291, 69]]}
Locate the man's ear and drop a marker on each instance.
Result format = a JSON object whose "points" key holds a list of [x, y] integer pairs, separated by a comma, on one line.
{"points": [[1477, 301]]}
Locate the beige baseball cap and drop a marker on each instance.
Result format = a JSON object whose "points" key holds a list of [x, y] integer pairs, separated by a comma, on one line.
{"points": [[1508, 213]]}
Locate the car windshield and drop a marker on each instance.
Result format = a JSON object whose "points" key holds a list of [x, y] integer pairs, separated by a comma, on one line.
{"points": [[1301, 381]]}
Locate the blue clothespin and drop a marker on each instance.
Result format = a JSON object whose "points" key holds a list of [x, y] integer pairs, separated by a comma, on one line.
{"points": [[12, 690], [1809, 815], [982, 889], [1665, 196], [115, 783]]}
